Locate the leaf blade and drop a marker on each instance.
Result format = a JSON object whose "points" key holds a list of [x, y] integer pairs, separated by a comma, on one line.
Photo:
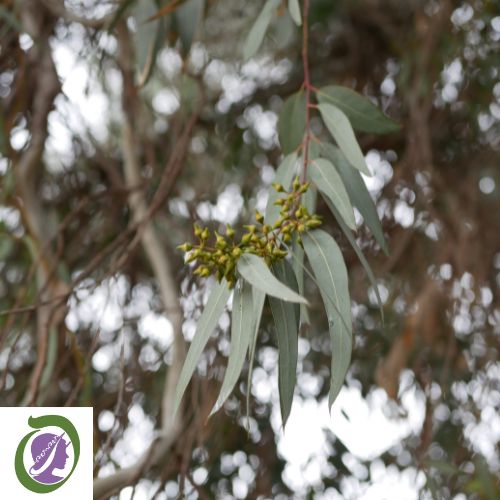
{"points": [[292, 122], [286, 319], [330, 184], [294, 9], [360, 255], [241, 332], [339, 126], [256, 34], [330, 271], [256, 272], [362, 113], [206, 325], [358, 193]]}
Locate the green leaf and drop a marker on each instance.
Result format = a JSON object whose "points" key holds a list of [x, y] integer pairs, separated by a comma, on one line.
{"points": [[286, 319], [330, 271], [309, 199], [188, 19], [258, 298], [148, 39], [292, 122], [206, 325], [242, 327], [284, 175], [256, 272], [258, 31], [328, 181], [339, 126], [362, 113], [359, 253], [294, 9], [358, 192]]}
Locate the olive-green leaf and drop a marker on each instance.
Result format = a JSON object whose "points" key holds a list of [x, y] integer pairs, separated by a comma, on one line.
{"points": [[339, 126], [358, 192], [188, 19], [259, 28], [359, 253], [148, 39], [206, 325], [294, 9], [284, 176], [256, 272], [286, 319], [292, 122], [328, 181], [258, 298], [242, 326], [330, 271], [362, 113]]}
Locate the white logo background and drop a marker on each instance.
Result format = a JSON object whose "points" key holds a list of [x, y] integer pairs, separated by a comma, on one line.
{"points": [[14, 426]]}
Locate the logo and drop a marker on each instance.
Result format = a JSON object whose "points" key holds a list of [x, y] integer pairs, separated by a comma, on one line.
{"points": [[47, 456]]}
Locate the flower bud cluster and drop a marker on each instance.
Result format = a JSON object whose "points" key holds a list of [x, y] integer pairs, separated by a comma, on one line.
{"points": [[218, 254]]}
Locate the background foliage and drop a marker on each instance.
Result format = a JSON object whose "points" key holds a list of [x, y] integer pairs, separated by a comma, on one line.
{"points": [[116, 134]]}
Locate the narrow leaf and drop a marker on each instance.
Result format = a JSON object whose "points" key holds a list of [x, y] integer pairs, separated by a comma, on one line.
{"points": [[361, 257], [258, 298], [328, 181], [357, 191], [362, 113], [188, 19], [286, 319], [292, 122], [241, 331], [284, 176], [294, 9], [206, 325], [256, 272], [330, 271], [258, 31], [339, 126]]}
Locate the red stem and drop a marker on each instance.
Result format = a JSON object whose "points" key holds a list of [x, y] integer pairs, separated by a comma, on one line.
{"points": [[307, 84]]}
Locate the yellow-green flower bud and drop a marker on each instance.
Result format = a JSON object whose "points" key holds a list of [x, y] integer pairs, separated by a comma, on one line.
{"points": [[236, 252], [250, 228], [259, 217], [246, 239], [278, 187], [205, 234], [296, 184], [266, 229], [186, 247], [229, 231], [313, 223], [301, 228], [279, 202], [197, 230], [287, 238]]}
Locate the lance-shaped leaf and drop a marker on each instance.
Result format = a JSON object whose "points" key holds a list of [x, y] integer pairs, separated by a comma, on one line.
{"points": [[359, 253], [284, 176], [242, 326], [309, 199], [339, 126], [330, 272], [294, 9], [286, 319], [188, 19], [358, 192], [256, 272], [206, 325], [258, 298], [362, 113], [292, 122], [258, 31], [328, 181]]}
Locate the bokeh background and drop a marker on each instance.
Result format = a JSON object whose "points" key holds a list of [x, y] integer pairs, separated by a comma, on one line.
{"points": [[116, 134]]}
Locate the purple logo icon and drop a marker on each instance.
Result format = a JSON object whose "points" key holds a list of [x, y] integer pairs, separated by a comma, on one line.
{"points": [[49, 453], [47, 456]]}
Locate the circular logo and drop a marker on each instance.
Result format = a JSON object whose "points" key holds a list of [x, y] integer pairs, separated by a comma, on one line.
{"points": [[46, 457]]}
